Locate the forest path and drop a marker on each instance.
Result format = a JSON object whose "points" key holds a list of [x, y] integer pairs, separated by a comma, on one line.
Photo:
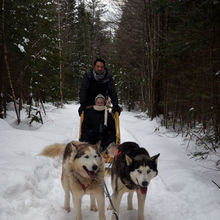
{"points": [[31, 186]]}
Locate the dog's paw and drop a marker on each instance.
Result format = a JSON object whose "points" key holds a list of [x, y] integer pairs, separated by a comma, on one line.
{"points": [[93, 208], [109, 207], [67, 209], [113, 217]]}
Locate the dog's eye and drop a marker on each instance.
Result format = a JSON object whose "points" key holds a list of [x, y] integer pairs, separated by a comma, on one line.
{"points": [[139, 171], [148, 171], [87, 157], [95, 156]]}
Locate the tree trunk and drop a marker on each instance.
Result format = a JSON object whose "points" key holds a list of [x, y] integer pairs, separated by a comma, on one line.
{"points": [[60, 54], [152, 29], [5, 52], [10, 81]]}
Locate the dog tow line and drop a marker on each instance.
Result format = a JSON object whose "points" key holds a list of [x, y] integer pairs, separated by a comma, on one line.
{"points": [[110, 200], [108, 194]]}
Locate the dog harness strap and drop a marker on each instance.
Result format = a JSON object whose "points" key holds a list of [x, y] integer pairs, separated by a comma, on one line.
{"points": [[116, 155], [84, 187]]}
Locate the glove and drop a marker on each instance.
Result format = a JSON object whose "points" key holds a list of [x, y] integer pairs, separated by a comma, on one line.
{"points": [[81, 109], [116, 108]]}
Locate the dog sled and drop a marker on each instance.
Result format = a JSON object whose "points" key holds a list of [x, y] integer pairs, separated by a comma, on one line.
{"points": [[108, 159], [106, 156]]}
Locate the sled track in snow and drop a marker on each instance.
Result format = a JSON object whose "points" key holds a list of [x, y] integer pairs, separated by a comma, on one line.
{"points": [[131, 134]]}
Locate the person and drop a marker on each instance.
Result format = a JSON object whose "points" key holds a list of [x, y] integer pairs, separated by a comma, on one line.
{"points": [[97, 81], [98, 125]]}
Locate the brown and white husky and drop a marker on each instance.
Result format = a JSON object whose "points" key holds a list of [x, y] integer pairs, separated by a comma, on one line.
{"points": [[82, 173]]}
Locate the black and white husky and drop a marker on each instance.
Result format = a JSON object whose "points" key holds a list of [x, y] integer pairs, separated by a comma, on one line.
{"points": [[132, 170]]}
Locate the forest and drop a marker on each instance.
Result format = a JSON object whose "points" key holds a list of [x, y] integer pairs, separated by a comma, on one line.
{"points": [[164, 56]]}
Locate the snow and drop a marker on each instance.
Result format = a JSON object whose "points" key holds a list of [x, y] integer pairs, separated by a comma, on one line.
{"points": [[26, 40], [30, 186], [21, 48]]}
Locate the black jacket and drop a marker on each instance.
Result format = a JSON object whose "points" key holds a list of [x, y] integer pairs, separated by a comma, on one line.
{"points": [[90, 88], [94, 130]]}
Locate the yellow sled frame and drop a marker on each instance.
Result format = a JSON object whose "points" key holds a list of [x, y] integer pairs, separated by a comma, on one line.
{"points": [[80, 125], [117, 127]]}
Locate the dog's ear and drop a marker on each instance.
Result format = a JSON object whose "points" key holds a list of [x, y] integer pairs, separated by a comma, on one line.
{"points": [[98, 146], [128, 160], [111, 150], [71, 149], [155, 158], [77, 144], [74, 146]]}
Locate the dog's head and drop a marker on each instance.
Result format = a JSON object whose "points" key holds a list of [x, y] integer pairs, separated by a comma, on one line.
{"points": [[85, 158], [142, 169]]}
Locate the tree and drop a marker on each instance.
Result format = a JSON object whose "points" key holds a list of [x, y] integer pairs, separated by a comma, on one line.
{"points": [[32, 51], [168, 56]]}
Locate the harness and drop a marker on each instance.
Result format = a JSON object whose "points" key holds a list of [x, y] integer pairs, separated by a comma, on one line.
{"points": [[84, 187], [117, 152]]}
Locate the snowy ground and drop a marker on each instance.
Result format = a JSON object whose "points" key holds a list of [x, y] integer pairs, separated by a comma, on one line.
{"points": [[30, 185]]}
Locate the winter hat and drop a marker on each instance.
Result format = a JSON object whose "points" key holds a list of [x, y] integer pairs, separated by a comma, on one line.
{"points": [[99, 96]]}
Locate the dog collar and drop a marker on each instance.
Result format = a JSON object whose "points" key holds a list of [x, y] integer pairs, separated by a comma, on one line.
{"points": [[117, 152], [116, 157], [84, 187]]}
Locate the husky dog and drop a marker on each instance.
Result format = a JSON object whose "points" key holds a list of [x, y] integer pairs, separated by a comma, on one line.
{"points": [[132, 170], [82, 173]]}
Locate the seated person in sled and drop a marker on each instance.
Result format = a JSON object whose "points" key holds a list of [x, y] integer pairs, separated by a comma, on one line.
{"points": [[98, 124]]}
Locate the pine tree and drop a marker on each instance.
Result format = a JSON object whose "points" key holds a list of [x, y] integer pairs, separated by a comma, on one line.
{"points": [[31, 37]]}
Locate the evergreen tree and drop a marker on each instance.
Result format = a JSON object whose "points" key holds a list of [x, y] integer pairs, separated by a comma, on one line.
{"points": [[177, 72], [31, 38]]}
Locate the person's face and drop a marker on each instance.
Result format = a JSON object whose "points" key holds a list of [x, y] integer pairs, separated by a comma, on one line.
{"points": [[100, 102], [99, 67]]}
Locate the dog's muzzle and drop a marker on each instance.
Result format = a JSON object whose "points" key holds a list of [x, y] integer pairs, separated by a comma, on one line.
{"points": [[91, 174], [143, 187], [144, 183]]}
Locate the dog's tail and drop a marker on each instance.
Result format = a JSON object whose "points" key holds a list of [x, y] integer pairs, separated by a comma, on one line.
{"points": [[53, 150]]}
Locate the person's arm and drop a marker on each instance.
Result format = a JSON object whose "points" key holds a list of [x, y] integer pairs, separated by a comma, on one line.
{"points": [[112, 92], [88, 126], [84, 129], [111, 123], [82, 94]]}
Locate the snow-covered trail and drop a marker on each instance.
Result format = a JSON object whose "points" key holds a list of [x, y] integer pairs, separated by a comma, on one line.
{"points": [[182, 190], [30, 185]]}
